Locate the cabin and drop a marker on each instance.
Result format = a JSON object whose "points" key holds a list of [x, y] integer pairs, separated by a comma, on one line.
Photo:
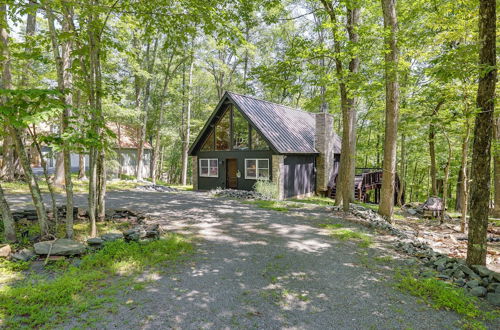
{"points": [[246, 139]]}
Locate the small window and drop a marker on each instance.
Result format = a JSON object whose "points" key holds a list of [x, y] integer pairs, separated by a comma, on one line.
{"points": [[209, 167], [257, 169]]}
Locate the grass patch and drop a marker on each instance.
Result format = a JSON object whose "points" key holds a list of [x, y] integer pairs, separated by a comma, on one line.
{"points": [[316, 200], [47, 302], [443, 295], [345, 234], [269, 205], [331, 225]]}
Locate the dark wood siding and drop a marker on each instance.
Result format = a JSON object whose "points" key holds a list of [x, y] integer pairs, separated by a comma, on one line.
{"points": [[205, 183], [299, 175]]}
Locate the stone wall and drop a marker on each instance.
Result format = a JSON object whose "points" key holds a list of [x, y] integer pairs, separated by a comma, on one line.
{"points": [[324, 144], [194, 178], [278, 162]]}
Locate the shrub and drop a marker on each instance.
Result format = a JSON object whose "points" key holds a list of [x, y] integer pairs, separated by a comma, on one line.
{"points": [[266, 188]]}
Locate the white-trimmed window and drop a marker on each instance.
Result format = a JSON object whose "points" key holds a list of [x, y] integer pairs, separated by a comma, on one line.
{"points": [[209, 167], [256, 168]]}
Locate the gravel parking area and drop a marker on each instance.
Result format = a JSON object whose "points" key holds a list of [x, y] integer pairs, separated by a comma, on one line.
{"points": [[262, 269]]}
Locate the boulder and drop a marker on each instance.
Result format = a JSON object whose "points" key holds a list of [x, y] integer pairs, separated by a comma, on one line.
{"points": [[473, 283], [60, 247], [24, 255], [5, 250], [494, 298], [411, 211], [478, 291], [142, 232], [95, 241], [483, 271], [494, 287], [109, 237]]}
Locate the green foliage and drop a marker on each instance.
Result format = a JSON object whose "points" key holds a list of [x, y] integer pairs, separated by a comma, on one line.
{"points": [[78, 289], [443, 295], [266, 188]]}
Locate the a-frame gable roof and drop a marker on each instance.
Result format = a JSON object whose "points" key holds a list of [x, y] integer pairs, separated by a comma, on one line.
{"points": [[287, 130]]}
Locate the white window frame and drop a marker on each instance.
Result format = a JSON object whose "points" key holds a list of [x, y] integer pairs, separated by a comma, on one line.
{"points": [[208, 175], [256, 177]]}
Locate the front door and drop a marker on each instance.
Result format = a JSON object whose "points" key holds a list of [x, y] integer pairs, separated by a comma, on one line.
{"points": [[231, 172]]}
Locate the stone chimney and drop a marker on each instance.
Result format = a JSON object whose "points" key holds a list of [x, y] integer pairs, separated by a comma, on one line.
{"points": [[323, 141]]}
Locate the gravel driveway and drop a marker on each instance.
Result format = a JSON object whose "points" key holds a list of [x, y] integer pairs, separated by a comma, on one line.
{"points": [[263, 269]]}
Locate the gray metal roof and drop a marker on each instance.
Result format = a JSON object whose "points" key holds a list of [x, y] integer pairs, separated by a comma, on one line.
{"points": [[289, 130]]}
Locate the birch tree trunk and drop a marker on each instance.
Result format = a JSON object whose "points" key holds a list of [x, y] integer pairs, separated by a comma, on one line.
{"points": [[9, 228], [391, 109], [483, 131]]}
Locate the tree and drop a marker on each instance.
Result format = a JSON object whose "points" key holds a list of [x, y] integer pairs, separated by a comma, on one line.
{"points": [[64, 82], [391, 108], [348, 99], [483, 132]]}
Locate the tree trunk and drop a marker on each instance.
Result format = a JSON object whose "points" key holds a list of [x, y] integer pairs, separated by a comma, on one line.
{"points": [[185, 143], [33, 184], [64, 83], [150, 62], [101, 186], [496, 171], [446, 177], [432, 150], [483, 131], [402, 172], [391, 109], [81, 166], [7, 172], [464, 186], [345, 180], [8, 222], [46, 175]]}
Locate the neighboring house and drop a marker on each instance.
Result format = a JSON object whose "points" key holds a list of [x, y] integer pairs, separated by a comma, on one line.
{"points": [[125, 160], [246, 139], [126, 148]]}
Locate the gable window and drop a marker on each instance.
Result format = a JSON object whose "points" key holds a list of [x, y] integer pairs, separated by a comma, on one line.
{"points": [[209, 167], [240, 131], [209, 143], [256, 168], [222, 132], [258, 142]]}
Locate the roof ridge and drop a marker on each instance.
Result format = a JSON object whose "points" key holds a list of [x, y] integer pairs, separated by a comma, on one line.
{"points": [[281, 105]]}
